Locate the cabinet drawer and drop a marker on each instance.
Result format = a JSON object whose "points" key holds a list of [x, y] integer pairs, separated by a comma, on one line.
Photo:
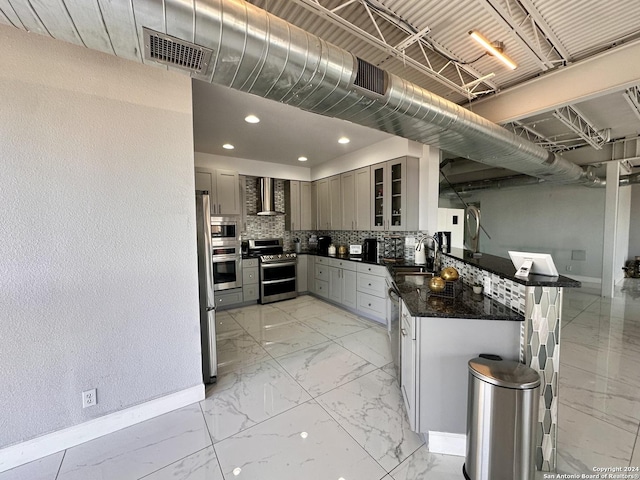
{"points": [[249, 262], [372, 285], [344, 264], [250, 292], [322, 272], [249, 275], [372, 269], [322, 288], [322, 261], [371, 305], [225, 300]]}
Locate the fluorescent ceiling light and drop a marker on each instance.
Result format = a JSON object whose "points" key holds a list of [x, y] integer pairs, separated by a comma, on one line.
{"points": [[302, 159], [343, 140], [251, 119], [228, 146], [494, 51]]}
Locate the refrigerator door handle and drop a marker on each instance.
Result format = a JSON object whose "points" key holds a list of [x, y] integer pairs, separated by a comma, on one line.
{"points": [[211, 309]]}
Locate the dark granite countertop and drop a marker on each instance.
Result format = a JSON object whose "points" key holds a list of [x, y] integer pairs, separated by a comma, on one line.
{"points": [[503, 267], [421, 303]]}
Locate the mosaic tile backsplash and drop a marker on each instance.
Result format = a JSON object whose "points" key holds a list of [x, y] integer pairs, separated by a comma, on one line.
{"points": [[274, 226]]}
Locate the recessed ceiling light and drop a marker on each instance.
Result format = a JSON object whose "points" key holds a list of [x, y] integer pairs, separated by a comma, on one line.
{"points": [[236, 471], [302, 159], [251, 119], [304, 434], [228, 146], [343, 140]]}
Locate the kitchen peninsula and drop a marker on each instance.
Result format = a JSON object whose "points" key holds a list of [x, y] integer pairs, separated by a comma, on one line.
{"points": [[538, 299]]}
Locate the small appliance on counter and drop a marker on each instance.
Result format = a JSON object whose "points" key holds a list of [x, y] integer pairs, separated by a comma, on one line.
{"points": [[370, 250], [421, 252], [444, 241], [393, 248], [342, 250], [323, 244], [331, 250], [313, 242]]}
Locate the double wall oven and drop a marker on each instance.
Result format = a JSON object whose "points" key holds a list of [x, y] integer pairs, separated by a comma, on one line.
{"points": [[226, 254]]}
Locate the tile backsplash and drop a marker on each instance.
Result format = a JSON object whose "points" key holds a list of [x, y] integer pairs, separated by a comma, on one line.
{"points": [[274, 226]]}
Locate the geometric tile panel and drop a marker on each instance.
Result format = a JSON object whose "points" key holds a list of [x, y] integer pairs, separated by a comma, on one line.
{"points": [[542, 353], [506, 292]]}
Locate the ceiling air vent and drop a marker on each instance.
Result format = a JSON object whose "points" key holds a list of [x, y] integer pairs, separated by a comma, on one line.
{"points": [[370, 78], [174, 52]]}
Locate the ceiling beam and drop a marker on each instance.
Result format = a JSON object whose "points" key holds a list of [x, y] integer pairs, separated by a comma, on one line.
{"points": [[611, 71]]}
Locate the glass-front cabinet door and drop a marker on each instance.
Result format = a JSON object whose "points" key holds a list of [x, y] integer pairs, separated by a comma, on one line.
{"points": [[389, 195], [378, 188]]}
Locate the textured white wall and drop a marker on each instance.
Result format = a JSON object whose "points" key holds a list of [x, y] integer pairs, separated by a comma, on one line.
{"points": [[98, 272], [549, 219]]}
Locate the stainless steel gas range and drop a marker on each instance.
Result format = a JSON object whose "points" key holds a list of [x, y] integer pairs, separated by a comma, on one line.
{"points": [[277, 269]]}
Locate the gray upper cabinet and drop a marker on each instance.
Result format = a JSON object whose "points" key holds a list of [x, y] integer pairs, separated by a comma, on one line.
{"points": [[323, 204], [224, 190], [335, 203], [348, 182], [356, 199], [362, 214], [297, 196], [394, 192]]}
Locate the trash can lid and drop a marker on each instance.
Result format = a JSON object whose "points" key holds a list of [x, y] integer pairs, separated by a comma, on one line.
{"points": [[504, 373]]}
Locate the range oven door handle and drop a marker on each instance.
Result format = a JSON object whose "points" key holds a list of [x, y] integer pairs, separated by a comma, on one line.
{"points": [[277, 264], [270, 282]]}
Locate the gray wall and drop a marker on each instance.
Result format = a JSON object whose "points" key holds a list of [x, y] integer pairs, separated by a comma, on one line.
{"points": [[98, 271], [549, 219]]}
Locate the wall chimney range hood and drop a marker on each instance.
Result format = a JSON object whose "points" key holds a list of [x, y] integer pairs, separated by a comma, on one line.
{"points": [[267, 198]]}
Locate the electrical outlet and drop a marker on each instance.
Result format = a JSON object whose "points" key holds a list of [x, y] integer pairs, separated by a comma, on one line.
{"points": [[89, 398], [569, 268]]}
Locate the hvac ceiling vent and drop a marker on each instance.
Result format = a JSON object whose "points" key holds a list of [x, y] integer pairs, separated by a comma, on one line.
{"points": [[371, 78], [174, 52]]}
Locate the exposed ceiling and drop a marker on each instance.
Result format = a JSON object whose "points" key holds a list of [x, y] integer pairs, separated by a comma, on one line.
{"points": [[428, 45], [283, 134]]}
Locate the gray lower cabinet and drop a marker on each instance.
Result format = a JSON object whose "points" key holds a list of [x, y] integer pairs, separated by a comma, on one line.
{"points": [[228, 298], [372, 291], [342, 282], [302, 273], [426, 342], [408, 364], [250, 278]]}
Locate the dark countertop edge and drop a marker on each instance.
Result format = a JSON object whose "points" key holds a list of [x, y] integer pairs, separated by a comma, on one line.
{"points": [[410, 299], [504, 268], [511, 315]]}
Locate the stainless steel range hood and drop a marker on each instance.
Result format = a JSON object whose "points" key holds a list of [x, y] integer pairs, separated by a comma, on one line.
{"points": [[267, 198]]}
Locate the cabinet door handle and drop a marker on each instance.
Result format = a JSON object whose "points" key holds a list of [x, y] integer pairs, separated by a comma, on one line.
{"points": [[219, 208], [369, 304], [369, 284]]}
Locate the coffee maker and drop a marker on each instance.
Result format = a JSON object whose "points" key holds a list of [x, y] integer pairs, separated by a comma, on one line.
{"points": [[370, 250], [323, 244]]}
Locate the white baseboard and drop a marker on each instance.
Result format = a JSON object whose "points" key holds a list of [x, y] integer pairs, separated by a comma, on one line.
{"points": [[51, 443], [448, 443]]}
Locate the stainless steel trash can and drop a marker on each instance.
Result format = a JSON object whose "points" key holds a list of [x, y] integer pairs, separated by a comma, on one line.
{"points": [[502, 412]]}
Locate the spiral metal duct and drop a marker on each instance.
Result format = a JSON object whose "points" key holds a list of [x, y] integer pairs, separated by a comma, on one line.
{"points": [[261, 54]]}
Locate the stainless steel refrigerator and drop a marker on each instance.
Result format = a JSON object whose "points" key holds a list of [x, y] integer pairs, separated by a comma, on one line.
{"points": [[205, 274]]}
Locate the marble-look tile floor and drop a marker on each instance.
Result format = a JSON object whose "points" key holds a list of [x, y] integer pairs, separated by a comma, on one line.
{"points": [[307, 391]]}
